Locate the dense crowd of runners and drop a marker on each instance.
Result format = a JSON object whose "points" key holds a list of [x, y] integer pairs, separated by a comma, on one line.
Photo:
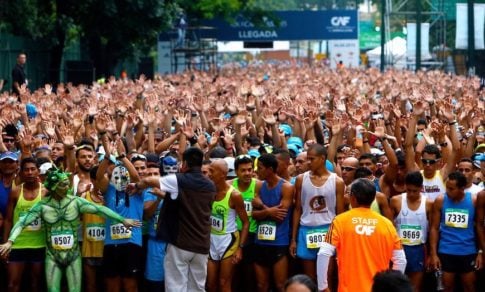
{"points": [[241, 180]]}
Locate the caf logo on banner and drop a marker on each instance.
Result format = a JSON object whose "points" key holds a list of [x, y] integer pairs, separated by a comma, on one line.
{"points": [[340, 20]]}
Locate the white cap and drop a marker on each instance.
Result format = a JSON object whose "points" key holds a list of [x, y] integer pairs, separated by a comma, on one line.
{"points": [[45, 167]]}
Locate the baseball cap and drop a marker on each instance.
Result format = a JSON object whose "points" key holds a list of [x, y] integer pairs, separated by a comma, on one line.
{"points": [[45, 167], [9, 155], [295, 141], [31, 110], [254, 153], [480, 147], [293, 148], [286, 129]]}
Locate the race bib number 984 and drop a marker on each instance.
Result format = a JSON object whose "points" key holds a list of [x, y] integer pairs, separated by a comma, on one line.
{"points": [[457, 218]]}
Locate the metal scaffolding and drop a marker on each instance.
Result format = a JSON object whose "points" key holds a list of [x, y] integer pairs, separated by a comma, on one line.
{"points": [[425, 11], [194, 51]]}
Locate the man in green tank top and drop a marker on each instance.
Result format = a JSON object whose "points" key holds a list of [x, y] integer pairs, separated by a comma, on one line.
{"points": [[225, 241], [60, 212], [29, 248], [247, 186]]}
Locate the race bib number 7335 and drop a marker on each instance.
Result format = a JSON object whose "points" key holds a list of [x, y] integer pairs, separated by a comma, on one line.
{"points": [[457, 218]]}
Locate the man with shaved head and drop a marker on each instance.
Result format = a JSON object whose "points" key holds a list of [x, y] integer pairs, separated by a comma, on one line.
{"points": [[225, 241], [349, 165]]}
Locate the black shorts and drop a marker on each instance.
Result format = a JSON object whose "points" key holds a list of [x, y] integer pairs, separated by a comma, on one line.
{"points": [[268, 255], [122, 260], [459, 264], [27, 255], [249, 249]]}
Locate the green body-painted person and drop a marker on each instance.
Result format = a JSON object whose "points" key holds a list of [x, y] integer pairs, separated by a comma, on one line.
{"points": [[60, 214]]}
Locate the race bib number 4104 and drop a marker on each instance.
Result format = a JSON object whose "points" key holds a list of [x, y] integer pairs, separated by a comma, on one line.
{"points": [[95, 232], [457, 218]]}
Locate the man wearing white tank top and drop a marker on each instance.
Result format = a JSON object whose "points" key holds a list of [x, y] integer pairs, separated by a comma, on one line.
{"points": [[411, 212], [319, 198]]}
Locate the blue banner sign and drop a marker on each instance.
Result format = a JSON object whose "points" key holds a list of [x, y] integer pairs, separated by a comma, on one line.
{"points": [[293, 26]]}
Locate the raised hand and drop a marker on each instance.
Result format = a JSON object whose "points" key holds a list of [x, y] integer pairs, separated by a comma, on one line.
{"points": [[48, 89], [268, 117]]}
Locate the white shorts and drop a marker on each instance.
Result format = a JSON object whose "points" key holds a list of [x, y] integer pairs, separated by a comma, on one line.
{"points": [[223, 246]]}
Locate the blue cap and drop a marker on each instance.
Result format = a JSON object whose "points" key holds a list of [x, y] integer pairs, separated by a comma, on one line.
{"points": [[31, 111], [169, 160], [254, 153], [9, 155], [295, 141], [286, 129], [294, 148], [479, 157]]}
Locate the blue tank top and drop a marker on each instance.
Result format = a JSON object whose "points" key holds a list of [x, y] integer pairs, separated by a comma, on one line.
{"points": [[153, 221], [4, 194], [116, 233], [270, 232], [376, 183], [457, 233]]}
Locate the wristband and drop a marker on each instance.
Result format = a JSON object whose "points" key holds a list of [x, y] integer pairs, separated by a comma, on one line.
{"points": [[102, 133], [365, 141], [121, 156], [452, 123], [444, 144]]}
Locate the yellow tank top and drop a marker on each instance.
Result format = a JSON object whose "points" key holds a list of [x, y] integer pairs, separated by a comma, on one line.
{"points": [[93, 233], [33, 235]]}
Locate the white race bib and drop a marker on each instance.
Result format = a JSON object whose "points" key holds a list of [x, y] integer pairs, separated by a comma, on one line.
{"points": [[411, 234], [95, 232], [62, 240], [249, 207], [267, 230], [457, 218], [315, 237], [36, 225], [119, 231], [217, 223]]}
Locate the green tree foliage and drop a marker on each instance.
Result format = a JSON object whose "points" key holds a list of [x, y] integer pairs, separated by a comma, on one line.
{"points": [[112, 30]]}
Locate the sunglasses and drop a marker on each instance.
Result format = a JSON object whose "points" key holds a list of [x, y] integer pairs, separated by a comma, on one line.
{"points": [[243, 156], [348, 168], [85, 146], [429, 161], [137, 156], [9, 140]]}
